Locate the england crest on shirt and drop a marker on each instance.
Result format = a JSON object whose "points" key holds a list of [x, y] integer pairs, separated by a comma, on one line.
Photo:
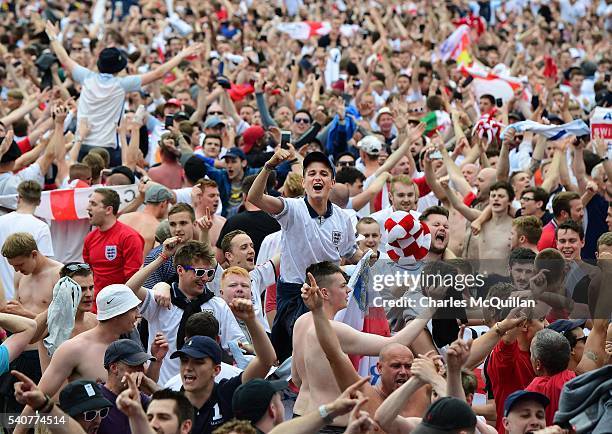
{"points": [[336, 237], [110, 252]]}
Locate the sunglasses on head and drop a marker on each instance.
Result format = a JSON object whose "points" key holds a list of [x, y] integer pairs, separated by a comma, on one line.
{"points": [[201, 272], [90, 415], [76, 267], [301, 120], [215, 113]]}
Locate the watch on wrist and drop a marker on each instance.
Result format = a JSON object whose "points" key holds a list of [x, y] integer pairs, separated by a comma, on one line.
{"points": [[269, 167], [325, 414]]}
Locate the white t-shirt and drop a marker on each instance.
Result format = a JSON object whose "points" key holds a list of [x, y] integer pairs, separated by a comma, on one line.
{"points": [[101, 103], [68, 237], [167, 322], [262, 276], [18, 222], [308, 238], [227, 372], [270, 246], [10, 181]]}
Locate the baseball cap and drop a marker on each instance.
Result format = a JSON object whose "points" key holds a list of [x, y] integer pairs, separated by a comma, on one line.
{"points": [[319, 157], [383, 111], [521, 395], [115, 300], [565, 325], [251, 399], [181, 116], [173, 101], [371, 145], [199, 347], [157, 193], [446, 415], [250, 136], [235, 153], [213, 121], [12, 154], [80, 396], [126, 351]]}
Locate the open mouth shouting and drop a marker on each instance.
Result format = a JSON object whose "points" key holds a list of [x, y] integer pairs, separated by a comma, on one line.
{"points": [[317, 186]]}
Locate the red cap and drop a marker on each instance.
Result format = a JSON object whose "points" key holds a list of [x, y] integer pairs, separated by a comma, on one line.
{"points": [[174, 102], [250, 136], [338, 85]]}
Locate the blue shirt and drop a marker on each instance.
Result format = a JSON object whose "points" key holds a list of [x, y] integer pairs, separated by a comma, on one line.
{"points": [[4, 359]]}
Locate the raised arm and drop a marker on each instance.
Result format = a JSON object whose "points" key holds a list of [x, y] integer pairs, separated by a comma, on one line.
{"points": [[265, 356], [413, 135], [469, 213], [22, 330], [387, 415], [59, 50], [139, 278], [159, 72], [343, 369], [257, 195]]}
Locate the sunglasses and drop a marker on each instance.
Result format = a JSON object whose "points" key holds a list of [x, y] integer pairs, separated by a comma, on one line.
{"points": [[201, 272], [525, 198], [301, 121], [90, 415], [346, 164], [215, 113], [581, 339], [76, 267]]}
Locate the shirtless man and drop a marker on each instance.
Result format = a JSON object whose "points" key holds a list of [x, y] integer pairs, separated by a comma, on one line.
{"points": [[82, 357], [494, 239], [157, 201], [84, 319], [394, 363], [310, 370], [34, 278], [206, 196]]}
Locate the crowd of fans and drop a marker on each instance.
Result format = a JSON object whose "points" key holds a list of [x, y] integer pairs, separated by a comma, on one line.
{"points": [[306, 216]]}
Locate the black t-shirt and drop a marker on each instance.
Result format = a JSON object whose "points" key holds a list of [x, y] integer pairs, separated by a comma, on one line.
{"points": [[218, 409], [257, 224], [546, 217]]}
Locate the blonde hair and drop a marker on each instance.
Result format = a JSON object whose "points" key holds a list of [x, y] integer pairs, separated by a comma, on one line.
{"points": [[401, 179], [19, 244], [293, 185]]}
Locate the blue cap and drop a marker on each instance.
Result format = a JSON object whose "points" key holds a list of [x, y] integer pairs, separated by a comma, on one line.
{"points": [[199, 347], [319, 157], [213, 121], [565, 325], [235, 153], [521, 395]]}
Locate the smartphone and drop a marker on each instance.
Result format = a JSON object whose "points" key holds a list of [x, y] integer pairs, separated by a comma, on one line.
{"points": [[435, 155], [499, 102], [535, 102], [285, 138], [169, 121]]}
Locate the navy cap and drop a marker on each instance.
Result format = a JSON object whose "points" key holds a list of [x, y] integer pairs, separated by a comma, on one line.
{"points": [[213, 121], [251, 399], [319, 157], [447, 414], [126, 351], [521, 395], [199, 347], [565, 325], [235, 153], [80, 396]]}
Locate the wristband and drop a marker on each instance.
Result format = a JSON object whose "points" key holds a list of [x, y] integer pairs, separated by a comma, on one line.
{"points": [[325, 415], [164, 256], [269, 167], [47, 403], [294, 161], [498, 330]]}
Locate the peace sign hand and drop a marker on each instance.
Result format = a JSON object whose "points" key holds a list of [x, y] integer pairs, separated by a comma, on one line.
{"points": [[205, 222], [311, 294]]}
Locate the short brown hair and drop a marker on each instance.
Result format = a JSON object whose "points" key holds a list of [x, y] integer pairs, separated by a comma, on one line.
{"points": [[367, 221], [529, 226], [553, 261], [80, 171], [192, 251], [561, 202], [96, 162], [204, 183], [102, 153], [109, 198], [19, 244], [434, 210], [226, 242], [236, 426], [182, 207], [30, 192]]}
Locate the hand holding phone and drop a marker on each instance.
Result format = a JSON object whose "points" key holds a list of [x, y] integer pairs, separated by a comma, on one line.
{"points": [[285, 139]]}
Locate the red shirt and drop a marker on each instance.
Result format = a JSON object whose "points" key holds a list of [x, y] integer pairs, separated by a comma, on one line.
{"points": [[551, 387], [548, 239], [509, 369], [114, 255]]}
